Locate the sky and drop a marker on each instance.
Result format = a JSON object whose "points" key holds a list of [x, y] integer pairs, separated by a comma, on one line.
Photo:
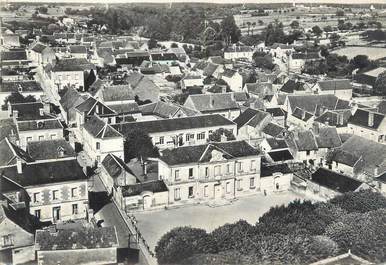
{"points": [[210, 1]]}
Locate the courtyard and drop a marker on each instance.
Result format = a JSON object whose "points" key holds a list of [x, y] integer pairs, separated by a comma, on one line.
{"points": [[374, 53], [153, 225]]}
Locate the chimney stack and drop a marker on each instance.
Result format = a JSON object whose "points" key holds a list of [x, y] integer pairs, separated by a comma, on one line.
{"points": [[371, 119], [19, 165], [340, 118], [41, 112], [15, 114], [376, 171], [144, 168]]}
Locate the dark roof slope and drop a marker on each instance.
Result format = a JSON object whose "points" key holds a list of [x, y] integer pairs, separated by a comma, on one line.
{"points": [[86, 238], [335, 181], [45, 173], [50, 149], [269, 170], [361, 118], [214, 120], [153, 186], [336, 84], [202, 153]]}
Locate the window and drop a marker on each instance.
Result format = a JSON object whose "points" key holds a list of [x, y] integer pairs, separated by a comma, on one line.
{"points": [[37, 214], [55, 194], [206, 191], [201, 136], [187, 137], [177, 175], [74, 192], [75, 209], [308, 153], [98, 158], [228, 187], [239, 167], [206, 172], [36, 197], [253, 165], [177, 195], [252, 183], [53, 136], [239, 184], [41, 137], [190, 172], [98, 145], [7, 240], [191, 192], [161, 140], [29, 139], [217, 170]]}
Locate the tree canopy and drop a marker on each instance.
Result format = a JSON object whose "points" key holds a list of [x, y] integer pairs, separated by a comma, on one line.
{"points": [[217, 134], [299, 233], [16, 97], [138, 144]]}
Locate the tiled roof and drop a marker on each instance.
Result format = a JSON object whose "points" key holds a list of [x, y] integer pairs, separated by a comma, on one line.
{"points": [[125, 108], [311, 102], [45, 173], [382, 107], [202, 153], [176, 124], [165, 110], [372, 153], [305, 56], [30, 111], [206, 103], [275, 143], [336, 84], [331, 118], [248, 115], [290, 86], [38, 47], [78, 49], [13, 56], [280, 155], [88, 106], [73, 64], [115, 167], [86, 238], [10, 152], [50, 149], [269, 170], [154, 186], [164, 57], [229, 73], [71, 99], [361, 118], [306, 141], [335, 181], [239, 49], [327, 137], [301, 114], [275, 112], [21, 86], [259, 89], [209, 69], [99, 129], [39, 125], [117, 93], [273, 130]]}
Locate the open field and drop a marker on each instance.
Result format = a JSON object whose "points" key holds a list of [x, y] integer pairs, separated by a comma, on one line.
{"points": [[372, 52], [155, 224]]}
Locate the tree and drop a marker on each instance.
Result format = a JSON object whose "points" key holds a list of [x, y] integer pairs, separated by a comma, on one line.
{"points": [[152, 43], [380, 84], [181, 243], [229, 29], [16, 97], [295, 24], [263, 60], [317, 30], [217, 134], [43, 10], [362, 201], [274, 33], [340, 13], [328, 29], [174, 45], [360, 61], [138, 144]]}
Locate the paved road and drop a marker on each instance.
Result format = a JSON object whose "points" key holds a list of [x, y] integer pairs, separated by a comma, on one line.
{"points": [[110, 215]]}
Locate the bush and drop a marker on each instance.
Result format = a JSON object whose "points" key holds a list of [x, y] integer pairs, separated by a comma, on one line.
{"points": [[181, 243], [362, 201]]}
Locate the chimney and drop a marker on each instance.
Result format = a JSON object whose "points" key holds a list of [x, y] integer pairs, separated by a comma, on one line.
{"points": [[211, 101], [371, 119], [303, 114], [41, 112], [296, 134], [19, 166], [233, 96], [15, 114], [340, 118], [376, 171], [316, 127], [144, 165]]}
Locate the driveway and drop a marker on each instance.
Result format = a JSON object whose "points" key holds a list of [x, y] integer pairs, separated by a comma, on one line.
{"points": [[153, 225]]}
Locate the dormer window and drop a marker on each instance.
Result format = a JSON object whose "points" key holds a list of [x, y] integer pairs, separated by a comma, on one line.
{"points": [[60, 151], [40, 124]]}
